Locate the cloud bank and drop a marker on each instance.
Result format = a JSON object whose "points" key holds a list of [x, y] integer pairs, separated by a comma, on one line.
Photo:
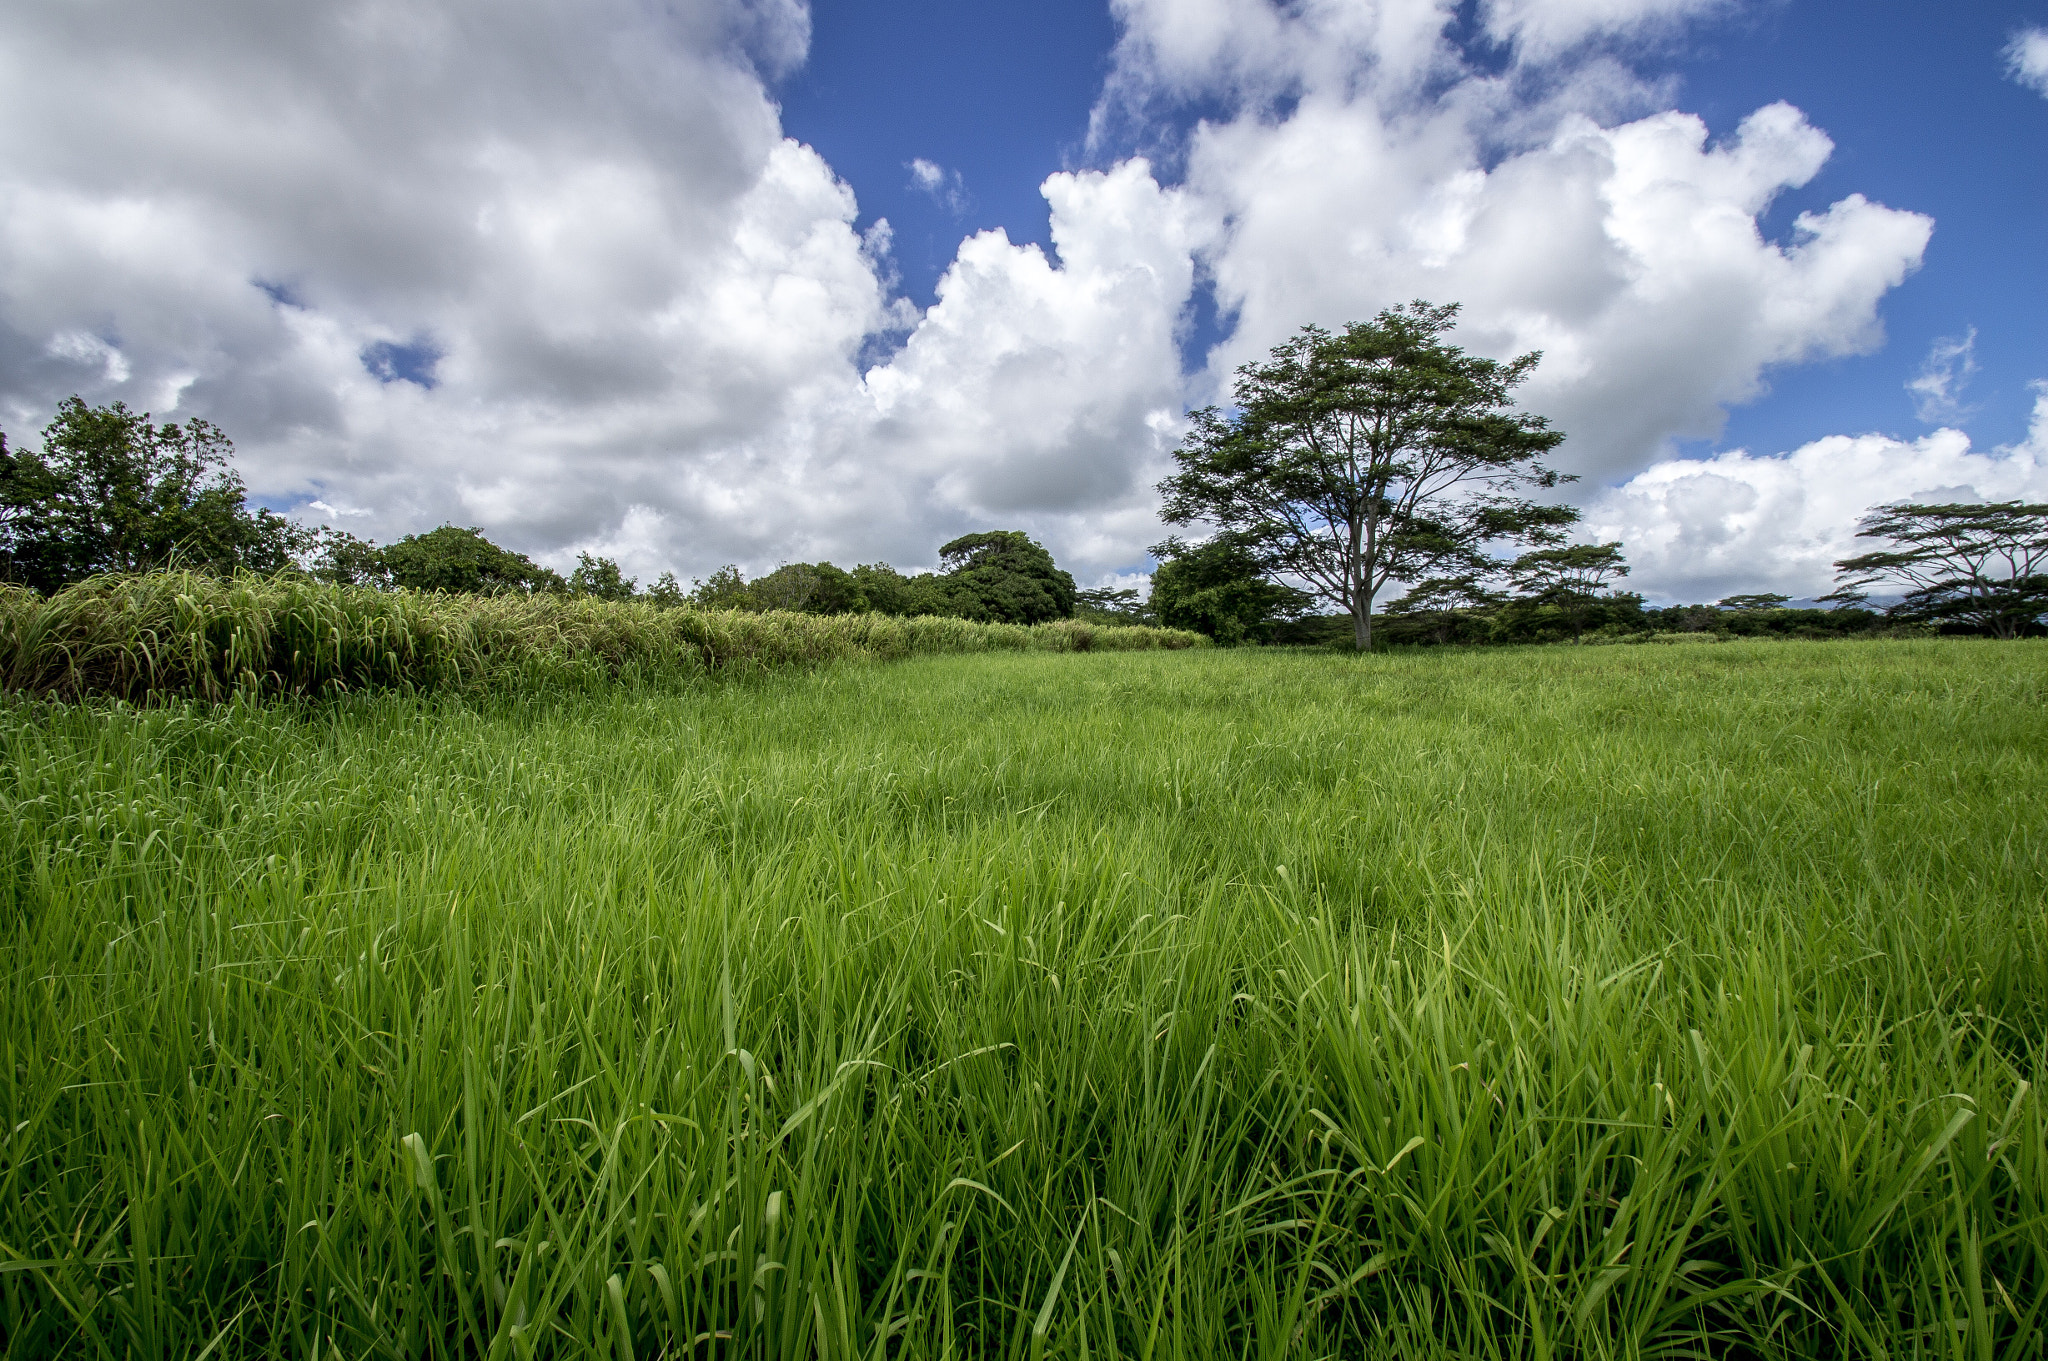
{"points": [[554, 270], [1700, 529]]}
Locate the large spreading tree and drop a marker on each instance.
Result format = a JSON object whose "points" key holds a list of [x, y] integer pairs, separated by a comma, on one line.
{"points": [[1379, 453], [1981, 565]]}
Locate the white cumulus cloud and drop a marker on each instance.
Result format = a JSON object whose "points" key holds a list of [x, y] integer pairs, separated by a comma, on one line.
{"points": [[2026, 58], [607, 299], [1705, 528], [1547, 27], [1628, 249], [554, 269]]}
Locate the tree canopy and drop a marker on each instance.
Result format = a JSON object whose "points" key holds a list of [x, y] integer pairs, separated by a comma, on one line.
{"points": [[463, 561], [1979, 565], [1005, 576], [1112, 605], [601, 579], [1220, 588], [999, 576], [111, 492], [809, 588], [1571, 577], [1374, 454]]}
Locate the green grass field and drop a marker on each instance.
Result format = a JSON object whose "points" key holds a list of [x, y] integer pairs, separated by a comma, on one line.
{"points": [[1578, 1002]]}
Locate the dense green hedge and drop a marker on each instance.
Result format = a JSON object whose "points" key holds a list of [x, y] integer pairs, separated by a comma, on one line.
{"points": [[189, 634]]}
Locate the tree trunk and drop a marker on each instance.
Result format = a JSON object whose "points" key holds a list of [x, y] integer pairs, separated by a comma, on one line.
{"points": [[1361, 627]]}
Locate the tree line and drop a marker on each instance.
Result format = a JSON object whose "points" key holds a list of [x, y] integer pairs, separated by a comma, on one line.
{"points": [[110, 491], [1352, 461], [1348, 463]]}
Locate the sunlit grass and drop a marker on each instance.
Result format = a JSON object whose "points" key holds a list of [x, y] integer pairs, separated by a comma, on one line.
{"points": [[1576, 1002]]}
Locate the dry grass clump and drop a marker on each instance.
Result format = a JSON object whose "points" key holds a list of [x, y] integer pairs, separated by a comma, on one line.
{"points": [[188, 634]]}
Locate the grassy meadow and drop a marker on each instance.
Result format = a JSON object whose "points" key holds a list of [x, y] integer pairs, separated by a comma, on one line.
{"points": [[1567, 1002]]}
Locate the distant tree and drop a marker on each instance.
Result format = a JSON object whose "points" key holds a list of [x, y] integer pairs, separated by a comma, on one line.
{"points": [[341, 559], [601, 579], [888, 591], [1004, 576], [110, 492], [927, 593], [1111, 605], [1220, 588], [724, 589], [837, 591], [1000, 576], [1377, 454], [27, 489], [667, 593], [1980, 565], [1572, 578], [464, 562], [789, 587], [1436, 595], [1446, 609], [808, 588], [1762, 600]]}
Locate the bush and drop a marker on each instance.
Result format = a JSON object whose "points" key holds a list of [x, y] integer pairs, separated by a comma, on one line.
{"points": [[1220, 588]]}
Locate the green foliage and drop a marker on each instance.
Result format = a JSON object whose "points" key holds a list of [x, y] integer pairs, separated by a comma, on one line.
{"points": [[1571, 578], [184, 634], [601, 579], [1112, 605], [1469, 610], [1982, 566], [1247, 1004], [808, 588], [1004, 576], [999, 577], [724, 589], [1766, 623], [1451, 609], [888, 591], [1561, 591], [667, 593], [341, 559], [1377, 454], [1219, 588], [464, 562], [110, 492]]}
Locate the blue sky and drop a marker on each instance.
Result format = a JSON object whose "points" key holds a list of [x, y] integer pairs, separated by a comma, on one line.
{"points": [[1914, 95], [1915, 98], [998, 93], [607, 276]]}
